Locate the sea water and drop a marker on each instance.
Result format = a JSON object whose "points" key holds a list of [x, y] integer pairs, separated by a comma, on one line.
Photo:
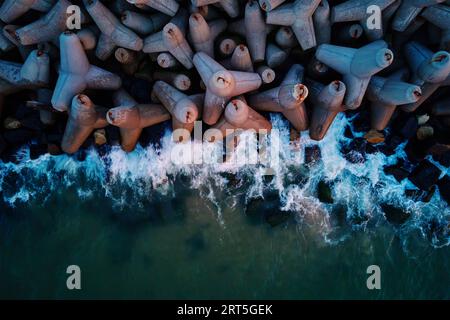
{"points": [[140, 226]]}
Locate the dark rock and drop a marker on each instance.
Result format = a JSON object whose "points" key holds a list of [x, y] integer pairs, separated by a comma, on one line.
{"points": [[297, 176], [2, 144], [32, 123], [440, 153], [22, 111], [416, 149], [425, 175], [355, 151], [391, 143], [361, 123], [398, 171], [348, 132], [406, 125], [267, 209], [444, 188], [324, 192], [421, 195], [18, 137], [113, 135], [55, 138], [312, 154], [395, 215], [54, 149], [37, 150]]}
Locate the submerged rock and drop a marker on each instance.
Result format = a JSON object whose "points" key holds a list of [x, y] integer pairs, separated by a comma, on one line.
{"points": [[324, 191], [268, 210], [425, 175], [421, 195], [312, 154], [444, 188], [398, 171], [394, 214]]}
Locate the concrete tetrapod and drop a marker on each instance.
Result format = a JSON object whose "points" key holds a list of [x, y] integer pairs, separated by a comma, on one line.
{"points": [[132, 118], [204, 33], [357, 10], [76, 73], [33, 74], [221, 85], [169, 7], [298, 16], [239, 115], [113, 32], [84, 118], [430, 71], [385, 95], [356, 65], [231, 7], [408, 11], [170, 39], [439, 15], [13, 9], [47, 28], [183, 110], [327, 102], [287, 98], [255, 31]]}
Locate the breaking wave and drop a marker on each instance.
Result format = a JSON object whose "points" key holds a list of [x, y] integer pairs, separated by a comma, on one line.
{"points": [[360, 191]]}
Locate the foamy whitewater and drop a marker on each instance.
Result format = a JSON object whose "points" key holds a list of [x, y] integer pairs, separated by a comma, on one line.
{"points": [[135, 180]]}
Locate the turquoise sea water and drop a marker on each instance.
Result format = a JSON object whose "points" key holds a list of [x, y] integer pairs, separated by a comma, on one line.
{"points": [[141, 227]]}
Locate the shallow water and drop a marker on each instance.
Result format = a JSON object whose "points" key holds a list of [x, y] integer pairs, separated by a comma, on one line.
{"points": [[141, 227]]}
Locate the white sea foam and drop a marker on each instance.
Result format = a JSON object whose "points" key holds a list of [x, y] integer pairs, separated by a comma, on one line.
{"points": [[134, 179]]}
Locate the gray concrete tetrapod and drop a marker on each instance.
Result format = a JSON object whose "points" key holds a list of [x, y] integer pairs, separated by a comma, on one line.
{"points": [[385, 95], [298, 16], [285, 38], [439, 15], [183, 110], [231, 7], [222, 85], [408, 11], [356, 65], [5, 43], [239, 115], [113, 32], [169, 7], [144, 24], [287, 98], [76, 73], [34, 73], [132, 118], [357, 10], [322, 22], [170, 39], [268, 5], [255, 30], [327, 102], [47, 28], [84, 118], [241, 60], [204, 33], [430, 71], [13, 9], [275, 56], [179, 80], [267, 74], [208, 12]]}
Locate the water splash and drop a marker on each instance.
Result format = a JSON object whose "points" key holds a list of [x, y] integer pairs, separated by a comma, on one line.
{"points": [[136, 179]]}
